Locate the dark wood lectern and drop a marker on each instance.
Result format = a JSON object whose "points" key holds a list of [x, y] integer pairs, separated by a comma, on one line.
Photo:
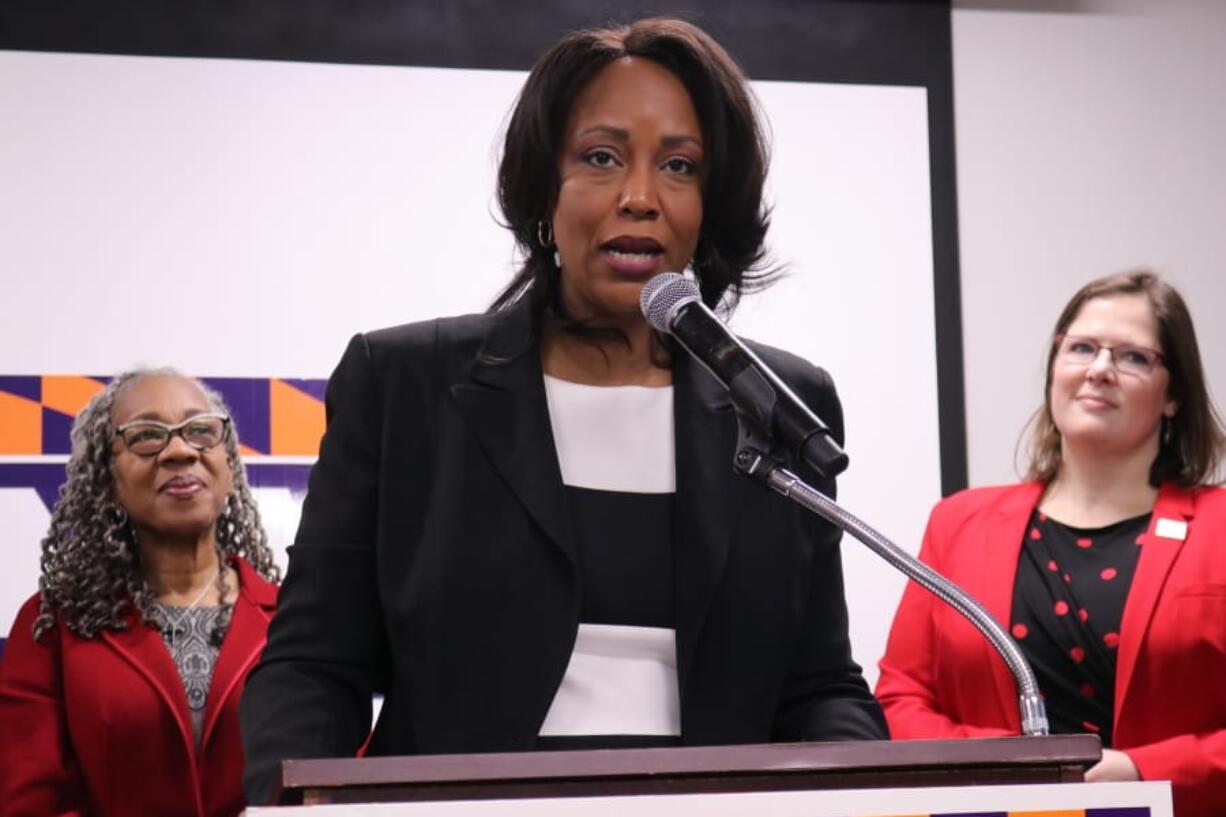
{"points": [[768, 767]]}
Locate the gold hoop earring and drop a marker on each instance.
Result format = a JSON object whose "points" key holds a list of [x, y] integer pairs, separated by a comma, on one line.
{"points": [[544, 237]]}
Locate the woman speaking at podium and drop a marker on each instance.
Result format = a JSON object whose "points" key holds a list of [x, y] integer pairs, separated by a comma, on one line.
{"points": [[1108, 565], [524, 528]]}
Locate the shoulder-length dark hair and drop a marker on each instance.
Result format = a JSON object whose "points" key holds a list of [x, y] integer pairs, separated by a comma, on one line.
{"points": [[1192, 441], [730, 244]]}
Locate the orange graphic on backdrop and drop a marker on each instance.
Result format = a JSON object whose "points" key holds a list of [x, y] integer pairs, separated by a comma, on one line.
{"points": [[297, 421], [21, 425], [68, 394], [295, 418]]}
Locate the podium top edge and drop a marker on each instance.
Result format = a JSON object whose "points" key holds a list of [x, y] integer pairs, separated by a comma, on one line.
{"points": [[773, 758]]}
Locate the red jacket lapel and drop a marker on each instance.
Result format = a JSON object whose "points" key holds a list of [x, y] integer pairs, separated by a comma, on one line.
{"points": [[1158, 554], [243, 642], [142, 647]]}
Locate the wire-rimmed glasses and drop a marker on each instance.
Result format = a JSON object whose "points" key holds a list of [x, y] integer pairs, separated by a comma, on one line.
{"points": [[1080, 350]]}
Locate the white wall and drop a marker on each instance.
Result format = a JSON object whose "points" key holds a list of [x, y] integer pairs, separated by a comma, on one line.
{"points": [[1091, 138]]}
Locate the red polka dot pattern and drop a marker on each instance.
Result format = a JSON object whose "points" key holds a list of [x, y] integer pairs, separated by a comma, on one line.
{"points": [[1071, 627]]}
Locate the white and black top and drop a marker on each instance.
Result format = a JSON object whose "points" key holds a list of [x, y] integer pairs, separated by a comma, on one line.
{"points": [[616, 453]]}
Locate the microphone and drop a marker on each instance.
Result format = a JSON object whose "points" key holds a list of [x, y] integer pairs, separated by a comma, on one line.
{"points": [[672, 304]]}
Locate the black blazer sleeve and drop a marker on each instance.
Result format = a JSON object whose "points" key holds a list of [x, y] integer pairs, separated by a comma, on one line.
{"points": [[310, 695], [825, 696]]}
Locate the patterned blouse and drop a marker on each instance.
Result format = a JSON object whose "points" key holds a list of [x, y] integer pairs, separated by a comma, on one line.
{"points": [[1068, 602], [192, 636]]}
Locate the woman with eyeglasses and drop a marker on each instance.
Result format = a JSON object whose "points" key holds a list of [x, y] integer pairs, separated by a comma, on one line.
{"points": [[1108, 565], [120, 682]]}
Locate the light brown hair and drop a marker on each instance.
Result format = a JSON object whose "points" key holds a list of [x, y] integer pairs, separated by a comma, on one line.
{"points": [[1192, 440]]}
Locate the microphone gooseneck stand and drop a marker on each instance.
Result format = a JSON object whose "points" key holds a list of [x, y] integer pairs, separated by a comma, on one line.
{"points": [[775, 427], [752, 461]]}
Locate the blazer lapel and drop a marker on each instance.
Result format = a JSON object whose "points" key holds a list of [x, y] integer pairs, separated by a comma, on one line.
{"points": [[705, 438], [1158, 554], [502, 398], [1001, 547], [142, 647], [242, 644]]}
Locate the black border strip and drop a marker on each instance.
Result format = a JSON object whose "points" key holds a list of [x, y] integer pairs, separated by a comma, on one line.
{"points": [[852, 41]]}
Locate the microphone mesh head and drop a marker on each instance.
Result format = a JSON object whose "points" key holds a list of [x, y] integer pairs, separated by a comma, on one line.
{"points": [[663, 295]]}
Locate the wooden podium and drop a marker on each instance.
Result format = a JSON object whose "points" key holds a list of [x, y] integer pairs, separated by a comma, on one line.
{"points": [[757, 768]]}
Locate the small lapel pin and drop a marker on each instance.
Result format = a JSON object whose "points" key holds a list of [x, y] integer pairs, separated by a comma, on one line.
{"points": [[1171, 529]]}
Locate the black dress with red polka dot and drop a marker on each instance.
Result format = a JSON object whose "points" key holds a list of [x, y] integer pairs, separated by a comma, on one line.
{"points": [[1068, 602]]}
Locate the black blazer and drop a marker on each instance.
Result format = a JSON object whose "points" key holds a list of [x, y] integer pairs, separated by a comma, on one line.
{"points": [[434, 563]]}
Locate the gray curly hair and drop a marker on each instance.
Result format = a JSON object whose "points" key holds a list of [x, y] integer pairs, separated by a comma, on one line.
{"points": [[91, 576]]}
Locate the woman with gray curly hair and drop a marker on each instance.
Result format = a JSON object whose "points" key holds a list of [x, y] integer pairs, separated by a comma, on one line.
{"points": [[153, 604]]}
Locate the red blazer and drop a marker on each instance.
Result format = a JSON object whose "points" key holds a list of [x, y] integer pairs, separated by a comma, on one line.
{"points": [[100, 726], [940, 678]]}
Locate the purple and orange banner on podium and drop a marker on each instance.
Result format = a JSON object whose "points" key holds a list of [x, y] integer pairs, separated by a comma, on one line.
{"points": [[1123, 811], [1151, 799]]}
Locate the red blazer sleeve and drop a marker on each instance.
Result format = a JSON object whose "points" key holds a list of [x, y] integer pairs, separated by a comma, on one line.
{"points": [[38, 770], [914, 685], [1194, 763]]}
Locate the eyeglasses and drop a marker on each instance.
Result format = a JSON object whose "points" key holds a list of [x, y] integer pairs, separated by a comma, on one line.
{"points": [[146, 438], [1078, 350]]}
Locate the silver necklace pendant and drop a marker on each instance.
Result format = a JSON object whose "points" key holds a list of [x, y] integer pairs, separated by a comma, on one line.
{"points": [[176, 624]]}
